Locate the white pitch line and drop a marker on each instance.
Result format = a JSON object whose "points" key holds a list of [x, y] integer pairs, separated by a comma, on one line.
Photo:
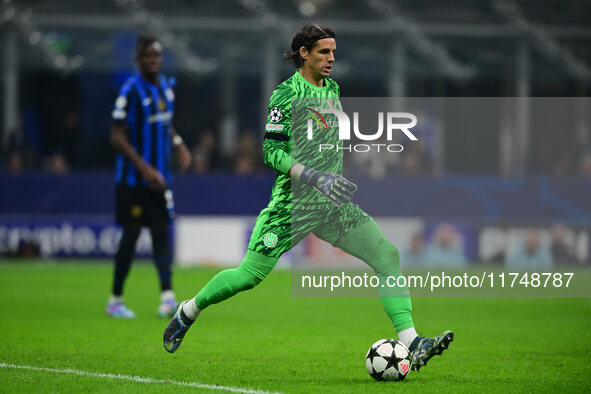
{"points": [[138, 379]]}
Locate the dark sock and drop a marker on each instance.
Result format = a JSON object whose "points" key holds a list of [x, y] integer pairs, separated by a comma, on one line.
{"points": [[124, 257], [162, 255]]}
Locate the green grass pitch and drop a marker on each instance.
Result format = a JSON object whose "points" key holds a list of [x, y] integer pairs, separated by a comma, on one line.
{"points": [[53, 317]]}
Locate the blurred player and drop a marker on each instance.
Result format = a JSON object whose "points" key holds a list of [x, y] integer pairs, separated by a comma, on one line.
{"points": [[143, 135], [323, 204]]}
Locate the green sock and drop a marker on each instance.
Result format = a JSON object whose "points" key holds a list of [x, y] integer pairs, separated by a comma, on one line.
{"points": [[253, 269], [368, 243]]}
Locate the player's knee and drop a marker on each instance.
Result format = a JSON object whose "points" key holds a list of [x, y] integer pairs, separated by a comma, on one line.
{"points": [[245, 280], [250, 279], [387, 258], [251, 282], [386, 248], [393, 252], [256, 267]]}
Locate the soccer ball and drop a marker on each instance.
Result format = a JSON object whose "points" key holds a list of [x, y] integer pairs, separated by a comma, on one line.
{"points": [[388, 359]]}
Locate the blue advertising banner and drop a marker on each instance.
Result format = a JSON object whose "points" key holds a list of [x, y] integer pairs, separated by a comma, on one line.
{"points": [[73, 236]]}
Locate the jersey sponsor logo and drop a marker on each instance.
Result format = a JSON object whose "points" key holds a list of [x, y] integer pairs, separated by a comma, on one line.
{"points": [[275, 114], [274, 127], [321, 122], [160, 117], [270, 240]]}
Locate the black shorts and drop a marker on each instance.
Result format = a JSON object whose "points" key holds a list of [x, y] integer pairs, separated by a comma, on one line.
{"points": [[138, 203]]}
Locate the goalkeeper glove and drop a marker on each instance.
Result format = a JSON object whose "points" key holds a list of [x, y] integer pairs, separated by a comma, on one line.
{"points": [[335, 187]]}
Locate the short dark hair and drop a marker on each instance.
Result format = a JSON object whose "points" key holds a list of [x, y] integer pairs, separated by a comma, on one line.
{"points": [[143, 42], [306, 37]]}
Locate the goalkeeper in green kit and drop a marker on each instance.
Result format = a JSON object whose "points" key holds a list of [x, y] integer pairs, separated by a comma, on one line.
{"points": [[309, 196]]}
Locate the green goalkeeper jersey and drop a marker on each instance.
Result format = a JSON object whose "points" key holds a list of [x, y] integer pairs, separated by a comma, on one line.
{"points": [[294, 107]]}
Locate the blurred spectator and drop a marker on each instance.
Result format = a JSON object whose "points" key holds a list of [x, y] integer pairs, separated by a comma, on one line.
{"points": [[585, 165], [57, 164], [244, 165], [61, 120], [200, 162], [563, 164], [542, 156], [414, 256], [562, 253], [20, 155], [500, 253], [548, 157], [414, 159], [15, 160], [530, 255], [71, 131], [206, 156], [446, 251], [246, 158], [373, 164]]}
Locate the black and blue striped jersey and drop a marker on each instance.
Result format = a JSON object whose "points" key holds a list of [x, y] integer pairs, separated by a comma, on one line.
{"points": [[147, 110]]}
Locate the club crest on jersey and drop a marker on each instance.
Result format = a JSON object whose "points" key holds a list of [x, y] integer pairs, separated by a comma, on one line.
{"points": [[136, 211], [270, 240], [275, 114]]}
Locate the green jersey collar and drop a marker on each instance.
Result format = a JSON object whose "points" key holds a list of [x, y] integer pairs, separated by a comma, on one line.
{"points": [[301, 77]]}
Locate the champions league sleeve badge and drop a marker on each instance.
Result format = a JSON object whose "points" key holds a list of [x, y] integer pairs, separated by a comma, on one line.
{"points": [[275, 114]]}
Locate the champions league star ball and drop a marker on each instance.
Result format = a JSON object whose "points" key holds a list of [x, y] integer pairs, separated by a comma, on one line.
{"points": [[388, 359]]}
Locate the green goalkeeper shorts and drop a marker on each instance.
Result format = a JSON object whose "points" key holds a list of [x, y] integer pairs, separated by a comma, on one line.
{"points": [[278, 230]]}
